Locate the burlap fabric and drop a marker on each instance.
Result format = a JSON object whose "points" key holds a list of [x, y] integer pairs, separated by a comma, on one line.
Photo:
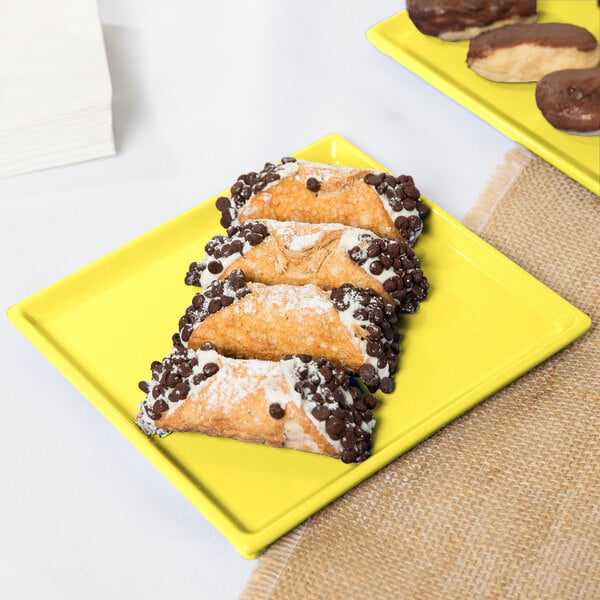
{"points": [[504, 502]]}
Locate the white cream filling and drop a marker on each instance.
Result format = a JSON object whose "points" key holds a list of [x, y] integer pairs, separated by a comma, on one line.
{"points": [[202, 312], [283, 170], [347, 318], [146, 423], [350, 239], [307, 406], [324, 171], [206, 277], [400, 213]]}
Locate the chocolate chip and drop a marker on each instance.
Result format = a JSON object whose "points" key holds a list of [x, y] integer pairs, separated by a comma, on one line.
{"points": [[235, 247], [313, 184], [373, 384], [373, 349], [223, 203], [172, 379], [254, 239], [390, 285], [276, 411], [143, 385], [410, 204], [348, 440], [321, 413], [348, 456], [362, 296], [386, 261], [361, 314], [366, 371], [376, 267], [237, 187], [373, 179], [341, 413], [185, 370], [210, 369], [214, 305], [325, 373], [180, 392], [198, 379], [367, 416], [373, 250], [377, 315], [214, 267], [227, 300], [386, 385], [414, 222], [401, 222], [159, 407], [411, 191], [237, 279], [334, 427]]}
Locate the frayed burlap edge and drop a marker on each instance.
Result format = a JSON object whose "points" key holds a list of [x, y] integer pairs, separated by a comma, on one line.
{"points": [[498, 185], [270, 566]]}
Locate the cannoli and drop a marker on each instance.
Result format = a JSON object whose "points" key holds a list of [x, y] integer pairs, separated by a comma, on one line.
{"points": [[352, 327], [570, 100], [327, 255], [317, 193], [521, 53], [297, 402], [454, 20]]}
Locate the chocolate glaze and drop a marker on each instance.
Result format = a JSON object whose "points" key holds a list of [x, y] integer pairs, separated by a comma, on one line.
{"points": [[433, 17], [570, 99], [552, 35]]}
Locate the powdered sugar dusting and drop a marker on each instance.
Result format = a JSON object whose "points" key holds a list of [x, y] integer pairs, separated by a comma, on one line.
{"points": [[297, 297]]}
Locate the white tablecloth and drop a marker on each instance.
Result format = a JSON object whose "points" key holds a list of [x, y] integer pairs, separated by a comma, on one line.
{"points": [[202, 93]]}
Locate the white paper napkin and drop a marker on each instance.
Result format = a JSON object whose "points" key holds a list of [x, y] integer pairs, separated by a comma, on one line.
{"points": [[55, 90]]}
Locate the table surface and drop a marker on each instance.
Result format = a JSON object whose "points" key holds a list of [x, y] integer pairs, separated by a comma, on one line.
{"points": [[201, 93]]}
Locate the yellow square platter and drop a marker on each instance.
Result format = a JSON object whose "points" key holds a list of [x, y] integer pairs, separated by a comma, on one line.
{"points": [[485, 323], [509, 107]]}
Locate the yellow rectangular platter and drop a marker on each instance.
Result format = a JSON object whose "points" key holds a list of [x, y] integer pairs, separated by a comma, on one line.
{"points": [[485, 323], [509, 107]]}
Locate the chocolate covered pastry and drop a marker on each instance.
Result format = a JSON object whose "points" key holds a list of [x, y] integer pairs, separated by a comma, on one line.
{"points": [[308, 192], [522, 53], [298, 402], [352, 327], [327, 255], [570, 100], [454, 20]]}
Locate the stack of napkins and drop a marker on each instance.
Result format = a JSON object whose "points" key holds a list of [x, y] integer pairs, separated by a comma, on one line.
{"points": [[55, 90]]}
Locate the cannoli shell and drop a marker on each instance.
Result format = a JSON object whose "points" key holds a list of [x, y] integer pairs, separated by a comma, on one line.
{"points": [[274, 321]]}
